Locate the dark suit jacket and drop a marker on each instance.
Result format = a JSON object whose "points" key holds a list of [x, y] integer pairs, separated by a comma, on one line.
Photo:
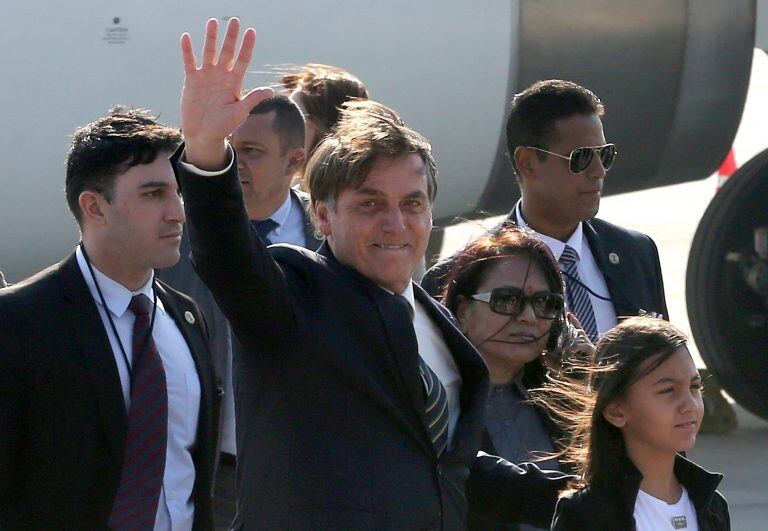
{"points": [[327, 391], [182, 276], [63, 421], [634, 283]]}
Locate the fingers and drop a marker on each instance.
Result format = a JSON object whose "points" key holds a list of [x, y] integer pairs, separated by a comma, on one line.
{"points": [[209, 47], [574, 320], [188, 54], [229, 45], [256, 96], [246, 51]]}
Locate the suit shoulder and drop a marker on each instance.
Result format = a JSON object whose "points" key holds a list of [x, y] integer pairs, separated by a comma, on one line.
{"points": [[33, 291], [611, 232], [295, 255]]}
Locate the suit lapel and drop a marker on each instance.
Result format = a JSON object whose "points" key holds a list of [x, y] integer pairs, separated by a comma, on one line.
{"points": [[474, 375], [183, 315], [403, 348], [87, 328], [613, 274], [189, 322]]}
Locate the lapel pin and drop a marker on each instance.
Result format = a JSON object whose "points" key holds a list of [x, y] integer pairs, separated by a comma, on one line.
{"points": [[613, 258], [189, 317]]}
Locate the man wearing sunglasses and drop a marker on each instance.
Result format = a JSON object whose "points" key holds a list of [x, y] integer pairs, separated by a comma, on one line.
{"points": [[560, 156]]}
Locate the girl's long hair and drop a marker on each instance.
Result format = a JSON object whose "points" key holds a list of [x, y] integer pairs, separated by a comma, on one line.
{"points": [[577, 395]]}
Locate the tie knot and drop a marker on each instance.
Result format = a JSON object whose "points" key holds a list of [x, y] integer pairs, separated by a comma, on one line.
{"points": [[569, 255], [264, 227], [140, 304]]}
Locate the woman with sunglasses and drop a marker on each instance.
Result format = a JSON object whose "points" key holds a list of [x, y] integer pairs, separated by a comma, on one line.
{"points": [[507, 293]]}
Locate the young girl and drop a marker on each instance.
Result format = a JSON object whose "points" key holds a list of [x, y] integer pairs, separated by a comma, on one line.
{"points": [[642, 406]]}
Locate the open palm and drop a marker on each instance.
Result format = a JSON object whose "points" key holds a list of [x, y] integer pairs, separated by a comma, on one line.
{"points": [[212, 104]]}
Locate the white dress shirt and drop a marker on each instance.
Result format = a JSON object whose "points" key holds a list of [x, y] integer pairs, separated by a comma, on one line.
{"points": [[175, 511], [435, 353], [590, 274], [290, 223]]}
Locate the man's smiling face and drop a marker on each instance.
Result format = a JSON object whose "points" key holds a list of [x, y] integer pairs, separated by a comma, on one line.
{"points": [[382, 227]]}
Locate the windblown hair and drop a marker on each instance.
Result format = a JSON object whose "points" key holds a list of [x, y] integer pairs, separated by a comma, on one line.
{"points": [[111, 145], [581, 393], [323, 91], [473, 263], [535, 111], [367, 130]]}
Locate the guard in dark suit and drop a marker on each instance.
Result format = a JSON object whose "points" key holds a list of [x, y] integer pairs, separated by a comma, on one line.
{"points": [[109, 404], [270, 151], [359, 403], [558, 150]]}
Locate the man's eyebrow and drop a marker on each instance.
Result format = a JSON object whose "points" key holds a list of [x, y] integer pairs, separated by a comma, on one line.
{"points": [[374, 191], [369, 191], [154, 184]]}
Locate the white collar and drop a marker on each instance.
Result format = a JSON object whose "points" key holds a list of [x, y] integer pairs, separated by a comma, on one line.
{"points": [[281, 215], [576, 241], [117, 296]]}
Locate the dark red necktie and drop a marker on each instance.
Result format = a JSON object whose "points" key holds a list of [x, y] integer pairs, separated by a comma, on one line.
{"points": [[138, 494]]}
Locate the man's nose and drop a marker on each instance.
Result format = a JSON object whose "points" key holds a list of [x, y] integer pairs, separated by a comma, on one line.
{"points": [[176, 209], [394, 220]]}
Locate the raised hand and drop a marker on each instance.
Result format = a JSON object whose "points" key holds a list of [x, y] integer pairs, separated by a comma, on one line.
{"points": [[212, 103]]}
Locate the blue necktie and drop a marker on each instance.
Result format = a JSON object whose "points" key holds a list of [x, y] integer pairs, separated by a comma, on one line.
{"points": [[263, 228], [578, 298]]}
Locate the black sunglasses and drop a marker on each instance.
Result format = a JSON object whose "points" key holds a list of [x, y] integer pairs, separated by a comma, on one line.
{"points": [[580, 158], [512, 301]]}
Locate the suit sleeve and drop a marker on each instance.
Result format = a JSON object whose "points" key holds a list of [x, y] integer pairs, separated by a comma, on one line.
{"points": [[504, 492], [13, 406], [230, 257]]}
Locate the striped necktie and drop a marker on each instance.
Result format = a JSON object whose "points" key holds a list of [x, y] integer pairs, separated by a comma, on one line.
{"points": [[578, 298], [435, 398], [436, 407], [138, 494]]}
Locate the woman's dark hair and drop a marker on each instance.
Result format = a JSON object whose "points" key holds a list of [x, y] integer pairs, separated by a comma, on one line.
{"points": [[324, 89], [478, 258], [578, 401]]}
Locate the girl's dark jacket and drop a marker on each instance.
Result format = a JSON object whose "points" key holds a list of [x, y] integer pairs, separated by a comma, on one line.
{"points": [[611, 506]]}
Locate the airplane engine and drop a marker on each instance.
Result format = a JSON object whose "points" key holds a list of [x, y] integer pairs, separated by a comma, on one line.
{"points": [[727, 286]]}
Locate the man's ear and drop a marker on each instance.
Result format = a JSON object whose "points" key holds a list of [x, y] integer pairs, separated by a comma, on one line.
{"points": [[523, 158], [614, 413], [322, 217], [91, 207], [295, 158]]}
